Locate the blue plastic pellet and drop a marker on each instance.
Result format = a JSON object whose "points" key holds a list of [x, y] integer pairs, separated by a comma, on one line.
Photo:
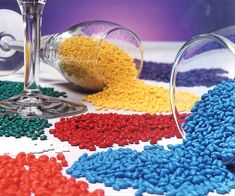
{"points": [[201, 164], [223, 190], [159, 191], [108, 183], [116, 187]]}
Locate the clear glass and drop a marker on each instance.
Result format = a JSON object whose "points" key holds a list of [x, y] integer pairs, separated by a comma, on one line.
{"points": [[211, 53], [101, 32], [208, 52], [31, 102], [11, 28]]}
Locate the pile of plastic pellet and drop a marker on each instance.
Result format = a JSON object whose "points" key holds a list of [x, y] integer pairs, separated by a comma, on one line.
{"points": [[17, 126], [212, 45], [27, 175], [161, 72], [195, 167], [135, 95], [104, 130], [116, 70], [9, 89]]}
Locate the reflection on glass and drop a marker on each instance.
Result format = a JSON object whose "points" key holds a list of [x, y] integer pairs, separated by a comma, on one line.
{"points": [[31, 102]]}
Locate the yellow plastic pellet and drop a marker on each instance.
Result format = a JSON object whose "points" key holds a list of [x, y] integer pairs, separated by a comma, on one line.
{"points": [[111, 69]]}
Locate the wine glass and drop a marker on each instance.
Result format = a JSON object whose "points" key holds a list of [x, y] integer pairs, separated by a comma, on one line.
{"points": [[11, 30], [31, 102], [81, 76], [215, 50]]}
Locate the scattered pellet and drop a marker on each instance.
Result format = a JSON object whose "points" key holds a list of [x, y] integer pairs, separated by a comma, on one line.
{"points": [[103, 130], [16, 126], [27, 175], [9, 89], [161, 72], [197, 166], [116, 71]]}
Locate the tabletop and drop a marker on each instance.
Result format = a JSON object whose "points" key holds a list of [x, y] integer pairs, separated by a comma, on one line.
{"points": [[49, 76]]}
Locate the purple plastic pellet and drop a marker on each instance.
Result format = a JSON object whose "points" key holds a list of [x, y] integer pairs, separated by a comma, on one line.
{"points": [[213, 45], [161, 72]]}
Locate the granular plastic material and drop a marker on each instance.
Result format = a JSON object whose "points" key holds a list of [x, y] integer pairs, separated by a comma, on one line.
{"points": [[116, 71], [17, 126], [10, 88], [161, 72], [135, 95], [195, 167], [212, 45], [26, 175], [103, 130]]}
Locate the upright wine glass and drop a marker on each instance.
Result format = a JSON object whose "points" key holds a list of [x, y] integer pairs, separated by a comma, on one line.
{"points": [[31, 102]]}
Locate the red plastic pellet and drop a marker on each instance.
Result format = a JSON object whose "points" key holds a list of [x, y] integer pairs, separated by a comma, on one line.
{"points": [[64, 163], [60, 156], [103, 130], [26, 175]]}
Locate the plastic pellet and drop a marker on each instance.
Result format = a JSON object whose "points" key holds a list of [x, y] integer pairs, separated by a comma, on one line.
{"points": [[10, 88], [103, 130], [17, 126], [27, 175], [199, 165], [116, 70], [212, 45], [161, 72], [135, 95]]}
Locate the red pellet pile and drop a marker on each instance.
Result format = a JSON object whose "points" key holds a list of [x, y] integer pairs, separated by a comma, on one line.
{"points": [[103, 130], [41, 176]]}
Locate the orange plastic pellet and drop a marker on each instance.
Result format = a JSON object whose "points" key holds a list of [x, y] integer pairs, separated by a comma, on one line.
{"points": [[26, 175]]}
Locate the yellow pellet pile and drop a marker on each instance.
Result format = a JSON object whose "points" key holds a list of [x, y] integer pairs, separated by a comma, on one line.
{"points": [[78, 57], [112, 67]]}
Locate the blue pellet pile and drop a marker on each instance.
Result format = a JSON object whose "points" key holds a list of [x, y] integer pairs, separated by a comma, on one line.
{"points": [[195, 167], [161, 72]]}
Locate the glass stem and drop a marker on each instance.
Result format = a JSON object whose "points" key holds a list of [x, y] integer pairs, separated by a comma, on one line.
{"points": [[32, 15]]}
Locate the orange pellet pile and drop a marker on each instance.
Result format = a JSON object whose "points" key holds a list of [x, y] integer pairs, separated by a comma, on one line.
{"points": [[116, 70], [26, 175]]}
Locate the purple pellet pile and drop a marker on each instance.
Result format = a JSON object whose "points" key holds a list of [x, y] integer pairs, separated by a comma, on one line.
{"points": [[161, 72]]}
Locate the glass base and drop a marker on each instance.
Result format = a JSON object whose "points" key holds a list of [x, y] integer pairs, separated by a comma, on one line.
{"points": [[34, 104]]}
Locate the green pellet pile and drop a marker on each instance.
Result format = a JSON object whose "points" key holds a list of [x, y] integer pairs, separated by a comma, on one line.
{"points": [[9, 89], [17, 126]]}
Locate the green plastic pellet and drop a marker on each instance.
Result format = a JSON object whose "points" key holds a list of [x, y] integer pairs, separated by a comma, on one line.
{"points": [[17, 126], [7, 135], [17, 136], [34, 137], [10, 88], [43, 137]]}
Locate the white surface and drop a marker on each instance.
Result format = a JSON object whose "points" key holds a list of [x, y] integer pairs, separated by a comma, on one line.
{"points": [[50, 77], [10, 21]]}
